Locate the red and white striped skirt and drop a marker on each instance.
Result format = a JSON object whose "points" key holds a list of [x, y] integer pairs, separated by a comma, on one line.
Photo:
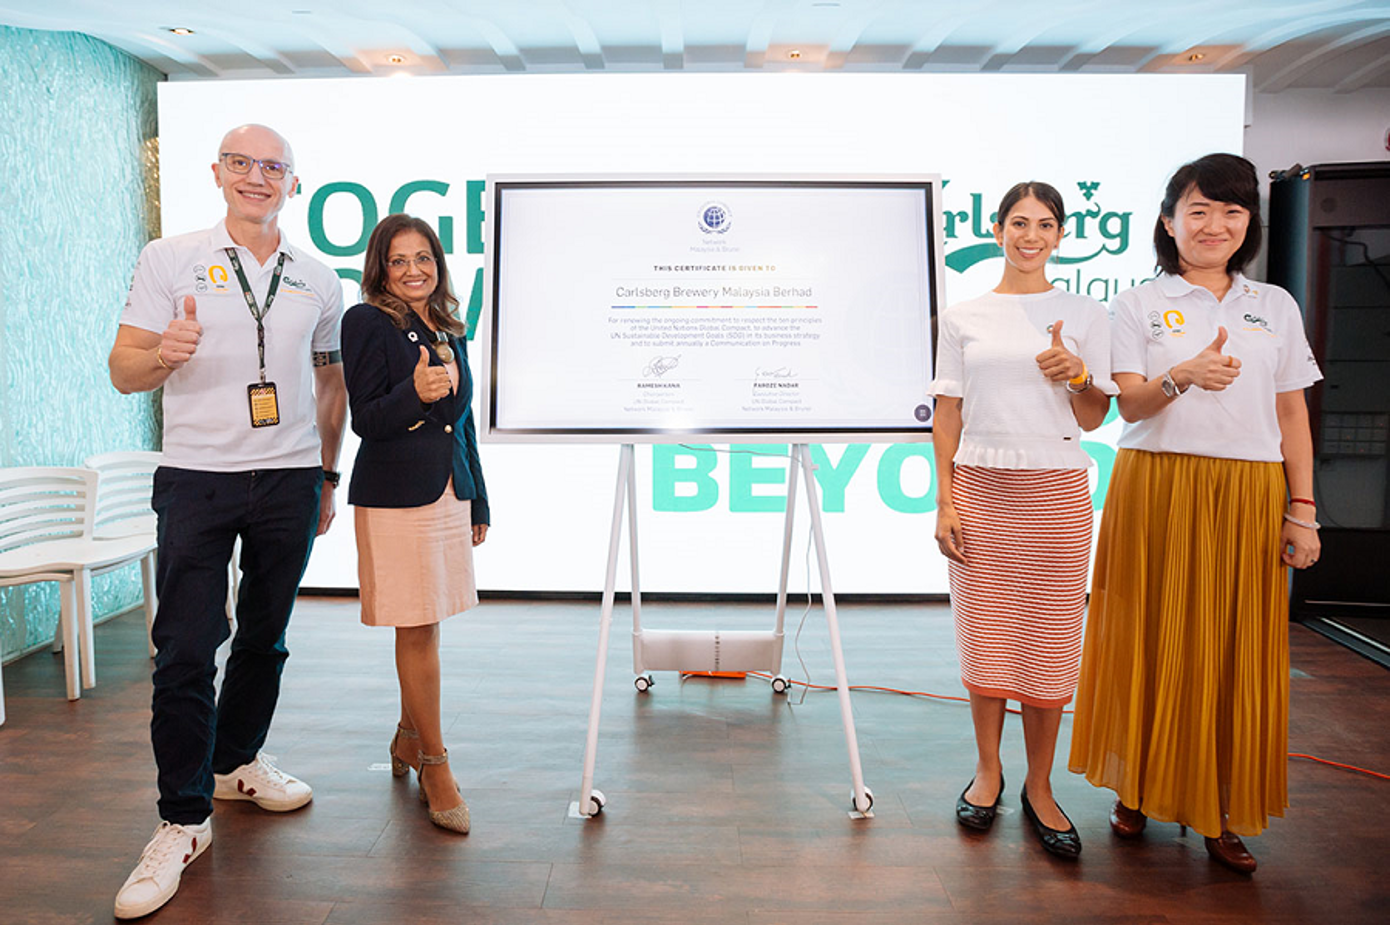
{"points": [[1020, 600]]}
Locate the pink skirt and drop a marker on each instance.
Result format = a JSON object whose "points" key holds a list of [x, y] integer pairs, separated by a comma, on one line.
{"points": [[1019, 602], [415, 564]]}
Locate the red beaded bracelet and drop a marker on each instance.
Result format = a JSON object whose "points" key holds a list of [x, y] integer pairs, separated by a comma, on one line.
{"points": [[1307, 501]]}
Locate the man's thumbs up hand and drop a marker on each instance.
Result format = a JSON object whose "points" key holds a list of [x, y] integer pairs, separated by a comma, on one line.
{"points": [[181, 338]]}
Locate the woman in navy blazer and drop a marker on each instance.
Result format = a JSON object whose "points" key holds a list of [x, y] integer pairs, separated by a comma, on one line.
{"points": [[417, 483]]}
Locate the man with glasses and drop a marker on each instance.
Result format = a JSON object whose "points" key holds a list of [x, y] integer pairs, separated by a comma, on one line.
{"points": [[241, 330]]}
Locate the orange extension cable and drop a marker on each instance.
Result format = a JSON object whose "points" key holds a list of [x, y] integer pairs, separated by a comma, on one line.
{"points": [[893, 690]]}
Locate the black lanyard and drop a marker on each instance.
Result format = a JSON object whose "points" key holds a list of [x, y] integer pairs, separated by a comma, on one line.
{"points": [[257, 311]]}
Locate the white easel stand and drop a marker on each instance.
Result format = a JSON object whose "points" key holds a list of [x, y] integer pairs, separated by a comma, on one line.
{"points": [[690, 650]]}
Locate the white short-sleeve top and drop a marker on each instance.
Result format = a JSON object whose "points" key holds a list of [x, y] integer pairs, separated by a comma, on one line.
{"points": [[1168, 320], [207, 417], [1014, 417]]}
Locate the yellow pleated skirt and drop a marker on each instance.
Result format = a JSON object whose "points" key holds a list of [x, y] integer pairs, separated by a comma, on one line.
{"points": [[1183, 700]]}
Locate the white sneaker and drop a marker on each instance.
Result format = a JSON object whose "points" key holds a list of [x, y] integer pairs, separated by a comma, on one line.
{"points": [[155, 879], [263, 784]]}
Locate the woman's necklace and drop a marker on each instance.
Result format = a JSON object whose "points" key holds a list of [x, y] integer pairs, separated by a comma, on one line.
{"points": [[439, 340], [441, 346]]}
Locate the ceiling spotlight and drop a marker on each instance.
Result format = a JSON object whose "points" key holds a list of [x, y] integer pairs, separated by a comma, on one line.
{"points": [[1195, 57], [395, 59], [179, 30], [794, 54]]}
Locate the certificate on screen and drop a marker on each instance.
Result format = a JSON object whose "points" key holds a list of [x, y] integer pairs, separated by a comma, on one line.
{"points": [[640, 310]]}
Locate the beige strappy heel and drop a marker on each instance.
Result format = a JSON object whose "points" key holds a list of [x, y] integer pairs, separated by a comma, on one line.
{"points": [[398, 766], [456, 819]]}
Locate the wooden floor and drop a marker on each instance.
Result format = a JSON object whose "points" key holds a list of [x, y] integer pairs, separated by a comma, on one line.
{"points": [[726, 804]]}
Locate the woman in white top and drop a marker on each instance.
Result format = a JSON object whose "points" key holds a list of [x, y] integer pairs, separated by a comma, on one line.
{"points": [[1020, 371], [1182, 708]]}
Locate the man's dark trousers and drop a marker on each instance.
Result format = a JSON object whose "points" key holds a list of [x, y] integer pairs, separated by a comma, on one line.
{"points": [[200, 515]]}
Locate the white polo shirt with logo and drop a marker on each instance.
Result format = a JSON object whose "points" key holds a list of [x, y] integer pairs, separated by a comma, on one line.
{"points": [[207, 419], [1168, 320]]}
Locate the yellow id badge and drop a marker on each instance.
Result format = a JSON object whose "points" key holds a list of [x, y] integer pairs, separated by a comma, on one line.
{"points": [[265, 407]]}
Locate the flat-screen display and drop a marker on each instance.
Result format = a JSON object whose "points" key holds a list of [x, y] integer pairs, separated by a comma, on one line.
{"points": [[663, 309]]}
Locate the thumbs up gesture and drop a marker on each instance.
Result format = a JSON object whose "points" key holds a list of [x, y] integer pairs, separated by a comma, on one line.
{"points": [[1057, 362], [1211, 369], [431, 382], [180, 339]]}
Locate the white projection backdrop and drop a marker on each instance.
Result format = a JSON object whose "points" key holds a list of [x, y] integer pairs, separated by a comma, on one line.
{"points": [[709, 522]]}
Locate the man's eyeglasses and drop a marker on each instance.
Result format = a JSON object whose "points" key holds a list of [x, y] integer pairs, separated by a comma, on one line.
{"points": [[240, 163], [424, 262]]}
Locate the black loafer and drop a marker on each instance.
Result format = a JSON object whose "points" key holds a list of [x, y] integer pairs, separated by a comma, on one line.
{"points": [[977, 817], [1062, 844]]}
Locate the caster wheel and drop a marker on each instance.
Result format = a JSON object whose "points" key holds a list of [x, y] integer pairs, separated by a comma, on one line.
{"points": [[596, 801], [780, 685], [643, 683], [868, 796]]}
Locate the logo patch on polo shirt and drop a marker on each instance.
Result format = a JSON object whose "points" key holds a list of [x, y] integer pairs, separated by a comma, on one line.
{"points": [[213, 278], [1170, 322], [293, 284]]}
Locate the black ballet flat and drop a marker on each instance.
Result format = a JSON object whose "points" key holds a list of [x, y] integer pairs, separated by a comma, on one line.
{"points": [[1061, 844], [977, 817]]}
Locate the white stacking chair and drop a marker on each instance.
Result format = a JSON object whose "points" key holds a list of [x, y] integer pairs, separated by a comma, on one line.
{"points": [[123, 511], [47, 518]]}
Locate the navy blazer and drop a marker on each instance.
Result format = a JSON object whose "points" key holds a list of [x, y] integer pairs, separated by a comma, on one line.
{"points": [[409, 449]]}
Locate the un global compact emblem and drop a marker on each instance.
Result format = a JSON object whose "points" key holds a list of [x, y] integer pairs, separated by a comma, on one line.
{"points": [[715, 218]]}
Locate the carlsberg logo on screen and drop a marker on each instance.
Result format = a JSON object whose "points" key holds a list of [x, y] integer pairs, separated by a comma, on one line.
{"points": [[1092, 231]]}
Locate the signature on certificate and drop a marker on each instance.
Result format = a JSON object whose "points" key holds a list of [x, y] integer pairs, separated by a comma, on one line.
{"points": [[780, 372], [660, 366]]}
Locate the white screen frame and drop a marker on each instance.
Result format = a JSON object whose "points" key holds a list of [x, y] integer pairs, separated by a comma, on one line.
{"points": [[498, 184]]}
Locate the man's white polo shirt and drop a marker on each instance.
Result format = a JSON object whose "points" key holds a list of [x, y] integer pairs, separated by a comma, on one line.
{"points": [[1168, 320], [207, 420]]}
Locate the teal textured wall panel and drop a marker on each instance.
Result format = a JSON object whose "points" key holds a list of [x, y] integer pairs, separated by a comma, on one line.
{"points": [[78, 157]]}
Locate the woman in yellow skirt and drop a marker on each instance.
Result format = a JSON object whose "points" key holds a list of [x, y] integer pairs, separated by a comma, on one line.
{"points": [[1182, 704]]}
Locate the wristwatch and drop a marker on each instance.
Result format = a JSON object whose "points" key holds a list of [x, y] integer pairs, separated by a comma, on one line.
{"points": [[1082, 386], [332, 478], [1170, 386]]}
